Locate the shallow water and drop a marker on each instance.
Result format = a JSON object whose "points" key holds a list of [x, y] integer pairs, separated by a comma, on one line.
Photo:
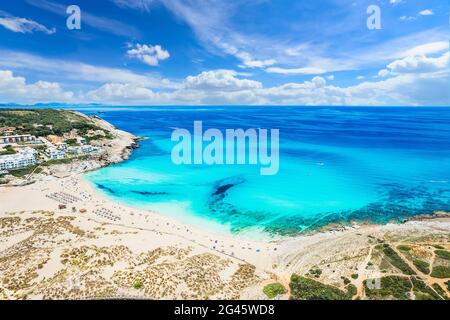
{"points": [[336, 165]]}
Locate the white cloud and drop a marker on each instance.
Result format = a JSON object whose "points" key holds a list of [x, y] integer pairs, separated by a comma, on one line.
{"points": [[420, 80], [249, 62], [427, 48], [148, 54], [426, 12], [143, 5], [407, 18], [118, 92], [16, 89], [223, 80], [330, 77], [22, 25], [77, 71], [307, 70], [395, 2], [425, 87], [417, 64]]}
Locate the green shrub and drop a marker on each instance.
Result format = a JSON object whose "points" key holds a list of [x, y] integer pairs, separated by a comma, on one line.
{"points": [[274, 289], [441, 272], [19, 173], [404, 248], [351, 290], [303, 288], [354, 276], [438, 246], [138, 284], [448, 285], [422, 291], [443, 254], [422, 266], [315, 272], [7, 150], [391, 287], [396, 261], [439, 290]]}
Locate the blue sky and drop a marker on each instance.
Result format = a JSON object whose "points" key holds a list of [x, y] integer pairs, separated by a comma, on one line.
{"points": [[217, 52]]}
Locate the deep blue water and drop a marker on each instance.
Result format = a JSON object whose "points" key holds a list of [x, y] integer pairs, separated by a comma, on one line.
{"points": [[336, 165]]}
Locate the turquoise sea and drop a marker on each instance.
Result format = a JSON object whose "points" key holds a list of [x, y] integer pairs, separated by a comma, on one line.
{"points": [[336, 165]]}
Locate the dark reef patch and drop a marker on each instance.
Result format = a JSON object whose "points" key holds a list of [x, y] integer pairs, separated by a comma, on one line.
{"points": [[103, 187], [150, 193]]}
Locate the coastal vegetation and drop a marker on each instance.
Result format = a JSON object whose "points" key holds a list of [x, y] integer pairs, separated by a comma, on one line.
{"points": [[391, 287], [44, 122], [442, 254], [303, 288], [19, 173], [396, 261], [422, 266], [7, 150], [441, 272], [274, 289]]}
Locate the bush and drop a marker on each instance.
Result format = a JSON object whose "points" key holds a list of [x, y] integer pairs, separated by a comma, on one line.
{"points": [[303, 288], [439, 290], [138, 284], [354, 276], [351, 290], [274, 289], [316, 272], [396, 261], [438, 246], [404, 248], [422, 266], [443, 254], [391, 287], [441, 272], [422, 291]]}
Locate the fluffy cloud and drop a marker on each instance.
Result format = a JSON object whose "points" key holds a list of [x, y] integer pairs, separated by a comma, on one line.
{"points": [[148, 54], [16, 89], [224, 80], [426, 12], [417, 64], [418, 80], [111, 92], [22, 25]]}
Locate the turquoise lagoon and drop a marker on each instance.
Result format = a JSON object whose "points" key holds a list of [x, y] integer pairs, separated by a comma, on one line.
{"points": [[336, 165]]}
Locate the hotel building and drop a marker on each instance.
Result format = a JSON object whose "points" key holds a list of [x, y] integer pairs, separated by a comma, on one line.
{"points": [[23, 158], [17, 138]]}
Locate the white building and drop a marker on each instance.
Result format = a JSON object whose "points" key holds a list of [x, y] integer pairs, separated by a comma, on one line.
{"points": [[56, 154], [81, 150], [23, 158]]}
